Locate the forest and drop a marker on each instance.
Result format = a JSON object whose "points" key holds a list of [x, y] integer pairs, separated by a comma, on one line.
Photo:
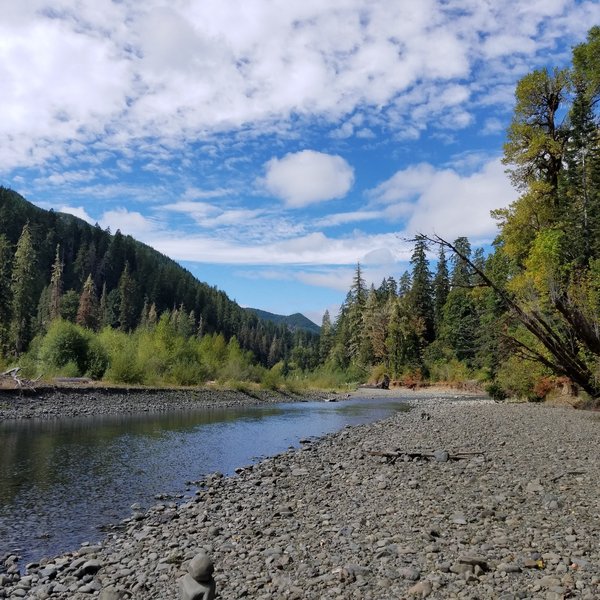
{"points": [[520, 319], [76, 300], [525, 318]]}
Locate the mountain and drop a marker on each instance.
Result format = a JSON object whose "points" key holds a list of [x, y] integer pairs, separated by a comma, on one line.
{"points": [[293, 322], [129, 278]]}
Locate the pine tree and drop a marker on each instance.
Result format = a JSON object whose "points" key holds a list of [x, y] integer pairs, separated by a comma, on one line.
{"points": [[127, 307], [56, 284], [421, 293], [356, 299], [5, 290], [441, 288], [326, 338], [23, 282], [87, 312]]}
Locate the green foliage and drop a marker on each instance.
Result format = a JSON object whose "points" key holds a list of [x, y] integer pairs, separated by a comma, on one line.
{"points": [[518, 378], [64, 344], [495, 391]]}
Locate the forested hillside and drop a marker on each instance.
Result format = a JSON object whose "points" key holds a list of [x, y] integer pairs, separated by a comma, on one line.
{"points": [[293, 322], [526, 317], [56, 266]]}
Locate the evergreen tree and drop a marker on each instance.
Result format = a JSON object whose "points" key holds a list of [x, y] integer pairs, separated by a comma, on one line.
{"points": [[127, 306], [421, 292], [56, 284], [23, 283], [87, 312], [355, 305], [5, 290], [326, 338], [441, 287]]}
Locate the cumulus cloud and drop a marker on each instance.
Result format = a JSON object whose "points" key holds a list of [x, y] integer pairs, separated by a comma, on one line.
{"points": [[445, 202], [129, 222], [311, 249], [306, 177], [117, 74]]}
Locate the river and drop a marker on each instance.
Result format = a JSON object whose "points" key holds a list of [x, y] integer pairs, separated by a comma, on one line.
{"points": [[63, 481]]}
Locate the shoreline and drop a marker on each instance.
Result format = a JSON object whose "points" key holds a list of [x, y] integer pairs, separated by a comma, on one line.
{"points": [[66, 402], [517, 518]]}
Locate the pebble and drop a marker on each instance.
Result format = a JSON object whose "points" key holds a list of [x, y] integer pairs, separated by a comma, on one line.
{"points": [[334, 522]]}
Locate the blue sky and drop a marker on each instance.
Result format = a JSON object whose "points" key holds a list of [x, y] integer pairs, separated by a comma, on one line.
{"points": [[270, 145]]}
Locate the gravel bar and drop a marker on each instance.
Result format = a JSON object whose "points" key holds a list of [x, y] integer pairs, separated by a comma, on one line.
{"points": [[476, 500], [61, 402]]}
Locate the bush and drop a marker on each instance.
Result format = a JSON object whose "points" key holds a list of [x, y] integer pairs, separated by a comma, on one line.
{"points": [[97, 359], [518, 378], [63, 344], [494, 390]]}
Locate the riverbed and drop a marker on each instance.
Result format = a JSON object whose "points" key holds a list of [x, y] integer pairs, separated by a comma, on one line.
{"points": [[64, 481], [512, 513]]}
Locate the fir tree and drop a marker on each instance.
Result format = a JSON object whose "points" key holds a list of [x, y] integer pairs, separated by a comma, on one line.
{"points": [[127, 291], [56, 284], [87, 312], [441, 287], [421, 293], [5, 289], [23, 281]]}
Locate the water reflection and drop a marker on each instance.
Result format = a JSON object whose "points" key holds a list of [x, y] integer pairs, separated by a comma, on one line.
{"points": [[60, 480]]}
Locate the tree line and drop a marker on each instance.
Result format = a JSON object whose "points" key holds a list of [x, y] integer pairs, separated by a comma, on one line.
{"points": [[54, 266], [528, 314]]}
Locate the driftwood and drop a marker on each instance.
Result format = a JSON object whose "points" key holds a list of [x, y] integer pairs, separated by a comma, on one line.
{"points": [[393, 455], [20, 382], [560, 475]]}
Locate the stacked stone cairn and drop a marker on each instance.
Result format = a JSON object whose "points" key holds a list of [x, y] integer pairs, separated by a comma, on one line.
{"points": [[198, 583]]}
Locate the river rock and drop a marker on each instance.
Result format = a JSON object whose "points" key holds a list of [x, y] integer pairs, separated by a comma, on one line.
{"points": [[201, 567]]}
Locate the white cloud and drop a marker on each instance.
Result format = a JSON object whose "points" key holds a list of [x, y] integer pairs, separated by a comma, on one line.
{"points": [[310, 249], [76, 211], [307, 177], [126, 74], [129, 222], [446, 202]]}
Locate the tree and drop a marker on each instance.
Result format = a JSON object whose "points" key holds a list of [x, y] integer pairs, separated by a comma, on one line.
{"points": [[326, 338], [441, 288], [421, 292], [23, 283], [56, 284], [127, 306], [87, 312], [5, 289]]}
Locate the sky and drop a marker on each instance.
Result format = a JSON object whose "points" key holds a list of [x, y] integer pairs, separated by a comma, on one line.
{"points": [[270, 145]]}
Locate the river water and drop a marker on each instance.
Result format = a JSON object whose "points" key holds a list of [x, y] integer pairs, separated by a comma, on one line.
{"points": [[62, 481]]}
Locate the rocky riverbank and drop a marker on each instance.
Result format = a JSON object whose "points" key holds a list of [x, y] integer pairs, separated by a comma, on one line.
{"points": [[507, 508], [78, 401]]}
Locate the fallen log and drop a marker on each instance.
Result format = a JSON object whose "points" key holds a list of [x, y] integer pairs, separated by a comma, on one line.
{"points": [[20, 382], [392, 456]]}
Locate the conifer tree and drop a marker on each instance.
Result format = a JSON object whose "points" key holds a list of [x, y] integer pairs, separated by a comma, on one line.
{"points": [[87, 313], [56, 284], [23, 281], [441, 287], [127, 311], [5, 290], [421, 292], [326, 338]]}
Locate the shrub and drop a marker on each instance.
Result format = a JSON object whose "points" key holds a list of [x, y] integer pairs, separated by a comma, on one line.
{"points": [[64, 343], [518, 377], [494, 390], [97, 359]]}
